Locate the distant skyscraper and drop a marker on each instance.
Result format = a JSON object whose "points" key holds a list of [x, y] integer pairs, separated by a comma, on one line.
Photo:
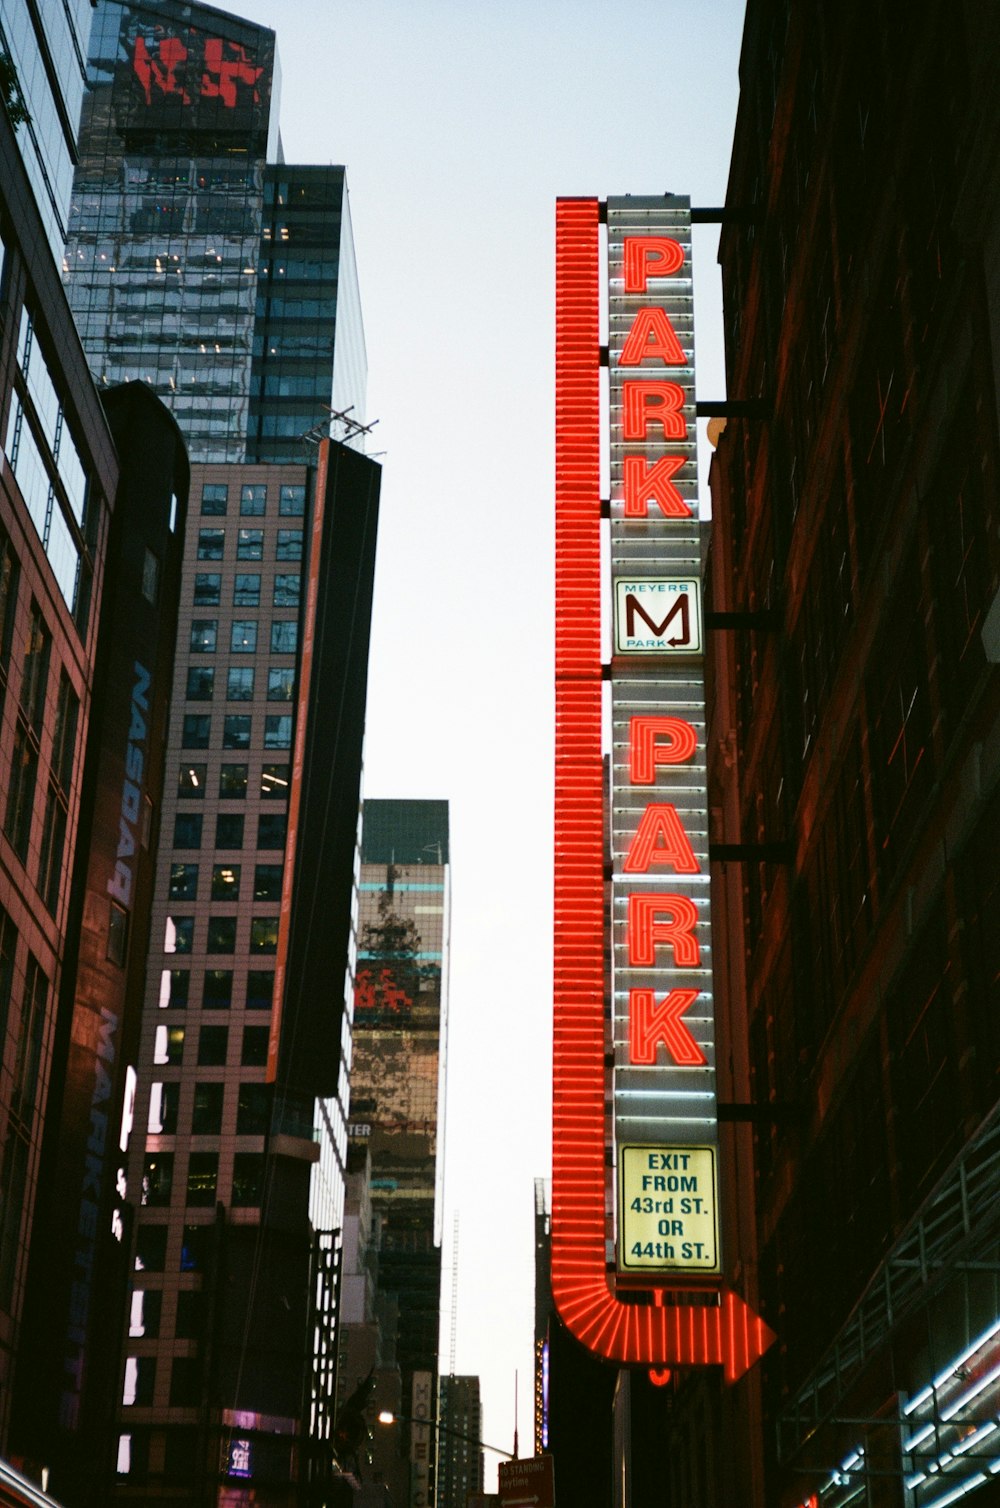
{"points": [[460, 1460], [202, 264], [397, 1078]]}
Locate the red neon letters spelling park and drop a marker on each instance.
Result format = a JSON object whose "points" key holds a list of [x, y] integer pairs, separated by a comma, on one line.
{"points": [[649, 1290]]}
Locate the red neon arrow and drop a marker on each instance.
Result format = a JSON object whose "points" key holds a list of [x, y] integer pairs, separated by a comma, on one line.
{"points": [[657, 1334]]}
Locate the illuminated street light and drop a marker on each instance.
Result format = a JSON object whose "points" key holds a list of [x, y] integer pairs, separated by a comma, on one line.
{"points": [[386, 1416]]}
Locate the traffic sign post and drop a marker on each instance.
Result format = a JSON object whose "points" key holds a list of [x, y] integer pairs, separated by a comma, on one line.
{"points": [[529, 1483]]}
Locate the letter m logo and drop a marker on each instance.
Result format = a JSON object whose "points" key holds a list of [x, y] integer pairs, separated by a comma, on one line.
{"points": [[657, 617]]}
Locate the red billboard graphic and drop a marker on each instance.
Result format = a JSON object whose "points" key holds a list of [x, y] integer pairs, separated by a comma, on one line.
{"points": [[190, 65]]}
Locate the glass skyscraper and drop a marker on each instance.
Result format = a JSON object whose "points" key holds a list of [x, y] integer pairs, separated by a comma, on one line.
{"points": [[45, 47], [397, 1077]]}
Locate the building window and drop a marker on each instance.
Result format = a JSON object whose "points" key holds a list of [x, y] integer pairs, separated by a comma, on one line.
{"points": [[157, 1178], [281, 683], [21, 793], [246, 590], [207, 589], [225, 882], [214, 498], [203, 1168], [187, 830], [140, 1377], [221, 934], [286, 591], [175, 988], [236, 731], [278, 731], [185, 1372], [250, 544], [168, 1046], [229, 830], [292, 501], [253, 500], [191, 781], [163, 1101], [196, 1248], [264, 934], [211, 544], [64, 740], [206, 1115], [243, 636], [271, 829], [51, 854], [117, 949], [233, 782], [190, 1304], [178, 935], [267, 882], [248, 1178], [150, 577], [196, 730], [204, 636], [260, 989], [289, 545], [255, 1040], [284, 636], [274, 781], [151, 1248], [200, 683], [217, 994], [183, 883], [213, 1043], [253, 1110], [239, 685]]}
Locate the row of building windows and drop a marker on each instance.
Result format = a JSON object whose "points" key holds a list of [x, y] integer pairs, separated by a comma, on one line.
{"points": [[246, 589], [217, 984], [46, 461], [253, 500], [250, 545], [237, 730], [222, 930], [225, 878], [243, 636], [240, 681], [234, 781], [253, 1108], [212, 1047], [202, 1179]]}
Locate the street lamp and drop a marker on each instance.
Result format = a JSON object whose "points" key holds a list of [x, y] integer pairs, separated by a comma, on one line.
{"points": [[388, 1417]]}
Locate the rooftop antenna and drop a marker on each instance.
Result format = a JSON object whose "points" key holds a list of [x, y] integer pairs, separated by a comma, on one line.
{"points": [[352, 427], [515, 1413]]}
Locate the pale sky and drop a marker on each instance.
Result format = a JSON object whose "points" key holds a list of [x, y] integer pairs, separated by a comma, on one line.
{"points": [[460, 122]]}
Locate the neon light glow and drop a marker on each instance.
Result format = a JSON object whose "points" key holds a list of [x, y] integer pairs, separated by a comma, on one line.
{"points": [[651, 1024], [719, 1329], [652, 482], [652, 338], [646, 257], [660, 839], [646, 754], [648, 405]]}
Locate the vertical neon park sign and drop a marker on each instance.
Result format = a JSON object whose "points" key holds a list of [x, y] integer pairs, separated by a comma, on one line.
{"points": [[632, 977]]}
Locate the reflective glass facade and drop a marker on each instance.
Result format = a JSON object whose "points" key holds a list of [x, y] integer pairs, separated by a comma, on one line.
{"points": [[167, 213], [307, 279], [47, 46], [397, 1077]]}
